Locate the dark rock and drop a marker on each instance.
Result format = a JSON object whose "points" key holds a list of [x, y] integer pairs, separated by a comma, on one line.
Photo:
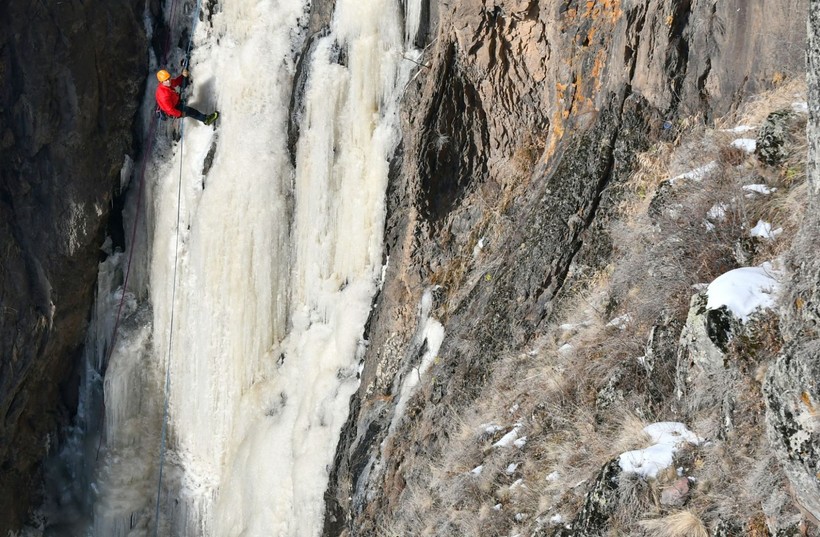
{"points": [[775, 139], [792, 396], [71, 74], [599, 504], [454, 142], [523, 129], [726, 528]]}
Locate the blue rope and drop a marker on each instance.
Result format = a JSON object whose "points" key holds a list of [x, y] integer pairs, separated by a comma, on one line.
{"points": [[173, 289]]}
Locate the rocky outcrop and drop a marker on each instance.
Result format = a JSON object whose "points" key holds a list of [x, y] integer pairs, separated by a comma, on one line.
{"points": [[703, 343], [70, 78], [526, 118], [791, 383], [599, 504], [776, 137], [792, 420]]}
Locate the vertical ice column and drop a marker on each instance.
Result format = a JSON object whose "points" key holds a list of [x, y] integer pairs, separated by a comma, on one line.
{"points": [[277, 267], [234, 254]]}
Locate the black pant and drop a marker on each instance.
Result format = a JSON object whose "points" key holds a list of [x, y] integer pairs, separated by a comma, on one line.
{"points": [[192, 112]]}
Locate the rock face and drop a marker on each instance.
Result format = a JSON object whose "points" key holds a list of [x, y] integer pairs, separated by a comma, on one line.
{"points": [[70, 78], [792, 419], [526, 117], [791, 384]]}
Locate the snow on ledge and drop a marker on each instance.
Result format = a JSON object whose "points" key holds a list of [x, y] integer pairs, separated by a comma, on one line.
{"points": [[747, 145], [764, 229], [667, 437], [740, 129], [510, 438], [759, 189], [744, 290], [697, 174]]}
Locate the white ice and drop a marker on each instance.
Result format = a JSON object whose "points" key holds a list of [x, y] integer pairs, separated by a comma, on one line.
{"points": [[276, 271], [431, 337]]}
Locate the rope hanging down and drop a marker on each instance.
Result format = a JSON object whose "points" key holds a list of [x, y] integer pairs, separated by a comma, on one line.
{"points": [[173, 286], [140, 190]]}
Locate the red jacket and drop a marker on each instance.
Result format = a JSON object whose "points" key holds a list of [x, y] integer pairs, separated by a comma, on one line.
{"points": [[168, 98]]}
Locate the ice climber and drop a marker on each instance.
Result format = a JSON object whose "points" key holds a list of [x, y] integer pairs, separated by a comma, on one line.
{"points": [[169, 102]]}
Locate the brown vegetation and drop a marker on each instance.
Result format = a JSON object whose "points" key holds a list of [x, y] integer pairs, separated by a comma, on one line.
{"points": [[582, 393]]}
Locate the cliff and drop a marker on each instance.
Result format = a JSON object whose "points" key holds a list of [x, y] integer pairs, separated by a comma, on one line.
{"points": [[70, 77], [522, 129]]}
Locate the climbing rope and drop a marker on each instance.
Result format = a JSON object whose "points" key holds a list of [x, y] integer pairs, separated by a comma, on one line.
{"points": [[140, 192], [166, 397]]}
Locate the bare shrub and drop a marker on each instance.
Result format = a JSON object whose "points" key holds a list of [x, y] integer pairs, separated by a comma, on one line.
{"points": [[636, 496]]}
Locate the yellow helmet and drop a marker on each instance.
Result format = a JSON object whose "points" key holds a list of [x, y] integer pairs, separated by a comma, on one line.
{"points": [[163, 75]]}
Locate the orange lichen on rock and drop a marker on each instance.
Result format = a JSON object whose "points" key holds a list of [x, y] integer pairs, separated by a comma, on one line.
{"points": [[806, 399], [609, 10]]}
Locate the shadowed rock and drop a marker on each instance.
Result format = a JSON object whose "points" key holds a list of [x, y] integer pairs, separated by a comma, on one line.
{"points": [[71, 74]]}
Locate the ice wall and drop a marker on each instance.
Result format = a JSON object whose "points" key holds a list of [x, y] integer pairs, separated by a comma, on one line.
{"points": [[276, 270]]}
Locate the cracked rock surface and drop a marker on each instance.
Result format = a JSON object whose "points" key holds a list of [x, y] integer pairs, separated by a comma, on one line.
{"points": [[525, 118], [70, 78]]}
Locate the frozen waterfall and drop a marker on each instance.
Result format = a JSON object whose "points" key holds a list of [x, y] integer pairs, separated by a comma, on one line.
{"points": [[277, 267]]}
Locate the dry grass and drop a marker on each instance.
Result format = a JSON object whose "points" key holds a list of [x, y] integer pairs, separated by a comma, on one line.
{"points": [[755, 109], [680, 524], [553, 389]]}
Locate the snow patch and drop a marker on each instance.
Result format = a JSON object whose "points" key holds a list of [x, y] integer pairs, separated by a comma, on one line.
{"points": [[759, 189], [667, 437], [717, 212], [478, 247], [744, 290], [747, 145], [800, 107], [508, 439], [697, 174], [740, 129], [491, 428], [621, 321], [764, 229]]}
